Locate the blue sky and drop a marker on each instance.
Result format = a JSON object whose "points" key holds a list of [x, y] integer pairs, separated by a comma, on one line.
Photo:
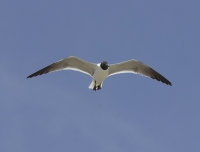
{"points": [[57, 111]]}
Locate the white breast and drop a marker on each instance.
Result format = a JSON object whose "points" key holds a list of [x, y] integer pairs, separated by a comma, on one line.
{"points": [[100, 75]]}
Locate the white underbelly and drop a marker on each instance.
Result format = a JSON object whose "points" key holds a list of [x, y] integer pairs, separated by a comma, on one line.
{"points": [[100, 75]]}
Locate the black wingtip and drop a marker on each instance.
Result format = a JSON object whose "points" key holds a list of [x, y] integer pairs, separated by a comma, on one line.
{"points": [[30, 76], [169, 83]]}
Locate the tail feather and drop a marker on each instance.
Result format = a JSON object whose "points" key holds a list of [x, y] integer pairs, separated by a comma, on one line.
{"points": [[91, 86], [101, 84]]}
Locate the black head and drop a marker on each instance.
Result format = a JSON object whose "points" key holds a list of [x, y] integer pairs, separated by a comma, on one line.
{"points": [[104, 65]]}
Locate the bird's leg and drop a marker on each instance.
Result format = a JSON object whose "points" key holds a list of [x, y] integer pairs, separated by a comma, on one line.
{"points": [[95, 88], [99, 87]]}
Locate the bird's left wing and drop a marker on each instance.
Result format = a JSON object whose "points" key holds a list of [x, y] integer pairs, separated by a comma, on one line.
{"points": [[70, 63], [137, 67]]}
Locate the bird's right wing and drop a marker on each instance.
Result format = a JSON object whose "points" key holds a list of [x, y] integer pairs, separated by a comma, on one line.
{"points": [[70, 63], [137, 67]]}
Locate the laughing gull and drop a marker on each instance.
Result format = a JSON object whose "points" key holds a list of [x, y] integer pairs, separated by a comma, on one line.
{"points": [[99, 72]]}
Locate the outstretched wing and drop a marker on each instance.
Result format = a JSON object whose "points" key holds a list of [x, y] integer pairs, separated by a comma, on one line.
{"points": [[137, 67], [70, 63]]}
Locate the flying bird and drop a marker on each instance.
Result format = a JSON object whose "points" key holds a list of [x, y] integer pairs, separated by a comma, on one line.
{"points": [[99, 72]]}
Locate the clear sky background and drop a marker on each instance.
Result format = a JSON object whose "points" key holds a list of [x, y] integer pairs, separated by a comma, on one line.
{"points": [[57, 111]]}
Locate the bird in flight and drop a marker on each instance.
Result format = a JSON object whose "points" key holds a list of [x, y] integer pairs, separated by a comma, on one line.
{"points": [[99, 72]]}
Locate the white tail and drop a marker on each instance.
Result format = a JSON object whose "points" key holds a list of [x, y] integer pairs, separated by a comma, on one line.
{"points": [[91, 85]]}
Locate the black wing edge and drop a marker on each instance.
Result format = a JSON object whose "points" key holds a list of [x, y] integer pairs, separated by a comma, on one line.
{"points": [[42, 71], [159, 77]]}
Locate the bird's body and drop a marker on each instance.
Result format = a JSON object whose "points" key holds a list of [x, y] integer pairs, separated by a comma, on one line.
{"points": [[99, 72], [99, 76]]}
